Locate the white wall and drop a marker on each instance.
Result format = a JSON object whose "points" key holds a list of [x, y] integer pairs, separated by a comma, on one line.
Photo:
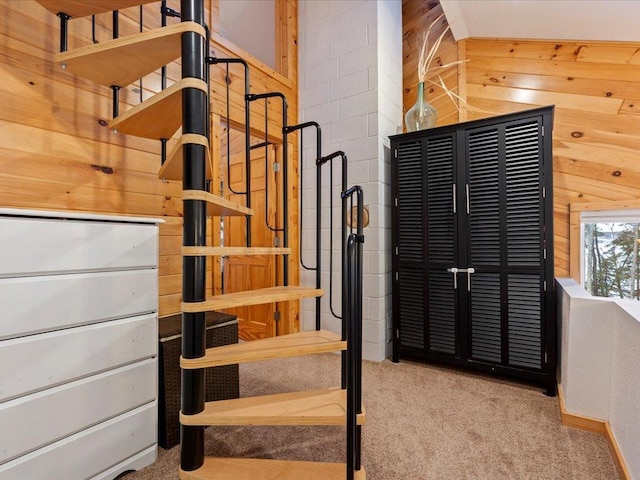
{"points": [[600, 363], [250, 24], [350, 64]]}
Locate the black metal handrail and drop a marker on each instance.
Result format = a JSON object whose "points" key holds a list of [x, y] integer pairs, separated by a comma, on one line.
{"points": [[252, 97], [353, 248], [318, 266], [247, 123]]}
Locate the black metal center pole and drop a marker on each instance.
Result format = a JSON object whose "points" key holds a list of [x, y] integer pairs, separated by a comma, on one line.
{"points": [[64, 35], [193, 268]]}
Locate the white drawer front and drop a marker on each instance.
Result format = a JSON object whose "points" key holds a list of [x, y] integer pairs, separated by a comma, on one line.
{"points": [[35, 362], [38, 304], [39, 246], [89, 452], [137, 462], [36, 420]]}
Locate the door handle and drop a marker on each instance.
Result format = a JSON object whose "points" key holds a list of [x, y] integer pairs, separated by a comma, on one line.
{"points": [[469, 271], [455, 271]]}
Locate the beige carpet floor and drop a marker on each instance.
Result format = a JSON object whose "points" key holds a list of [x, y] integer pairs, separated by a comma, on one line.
{"points": [[423, 422]]}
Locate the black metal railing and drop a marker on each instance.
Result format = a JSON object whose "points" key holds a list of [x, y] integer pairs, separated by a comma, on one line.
{"points": [[318, 267], [247, 124], [353, 286]]}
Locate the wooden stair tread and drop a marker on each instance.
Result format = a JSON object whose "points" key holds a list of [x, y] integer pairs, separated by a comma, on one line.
{"points": [[229, 251], [217, 206], [258, 296], [311, 407], [124, 60], [172, 168], [159, 116], [292, 345], [84, 8], [259, 469]]}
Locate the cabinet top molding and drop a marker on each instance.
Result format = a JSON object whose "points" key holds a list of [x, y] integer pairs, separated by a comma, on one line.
{"points": [[476, 123]]}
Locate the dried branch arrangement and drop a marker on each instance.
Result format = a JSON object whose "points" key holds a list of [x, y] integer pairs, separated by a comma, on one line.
{"points": [[427, 69]]}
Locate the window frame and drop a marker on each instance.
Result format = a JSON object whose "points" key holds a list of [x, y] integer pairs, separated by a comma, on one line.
{"points": [[596, 211]]}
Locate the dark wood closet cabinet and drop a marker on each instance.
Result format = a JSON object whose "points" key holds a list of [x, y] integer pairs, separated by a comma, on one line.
{"points": [[472, 234]]}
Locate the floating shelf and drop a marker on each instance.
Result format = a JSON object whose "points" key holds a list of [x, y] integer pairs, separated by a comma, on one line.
{"points": [[259, 469], [293, 345], [172, 169], [84, 8], [311, 407], [158, 117], [217, 206], [252, 297], [124, 60]]}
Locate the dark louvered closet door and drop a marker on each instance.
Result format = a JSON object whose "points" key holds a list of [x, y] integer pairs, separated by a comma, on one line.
{"points": [[409, 233], [484, 245], [525, 243], [473, 245], [442, 255], [505, 244]]}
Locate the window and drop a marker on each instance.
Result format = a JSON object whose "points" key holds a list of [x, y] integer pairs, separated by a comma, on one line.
{"points": [[610, 253]]}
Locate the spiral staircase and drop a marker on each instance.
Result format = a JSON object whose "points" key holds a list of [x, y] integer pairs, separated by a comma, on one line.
{"points": [[184, 105]]}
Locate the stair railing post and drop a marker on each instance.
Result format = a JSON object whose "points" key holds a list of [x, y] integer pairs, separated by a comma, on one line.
{"points": [[344, 234], [194, 234], [353, 247], [318, 267]]}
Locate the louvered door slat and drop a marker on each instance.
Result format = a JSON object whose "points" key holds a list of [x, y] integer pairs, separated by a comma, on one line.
{"points": [[410, 223], [525, 320], [523, 194], [442, 313], [411, 308], [486, 319], [440, 233], [484, 191]]}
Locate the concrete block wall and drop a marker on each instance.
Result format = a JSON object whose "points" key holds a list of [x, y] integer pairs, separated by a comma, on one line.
{"points": [[350, 64]]}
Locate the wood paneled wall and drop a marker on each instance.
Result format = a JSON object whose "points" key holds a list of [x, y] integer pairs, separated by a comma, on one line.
{"points": [[56, 152], [596, 90], [417, 15]]}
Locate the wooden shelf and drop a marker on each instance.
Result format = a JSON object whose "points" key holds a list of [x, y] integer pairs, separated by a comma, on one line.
{"points": [[231, 251], [252, 297], [172, 169], [311, 407], [293, 345], [84, 8], [158, 117], [124, 60], [259, 469], [217, 206]]}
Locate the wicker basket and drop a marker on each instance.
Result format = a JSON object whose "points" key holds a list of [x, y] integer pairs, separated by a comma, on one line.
{"points": [[220, 382]]}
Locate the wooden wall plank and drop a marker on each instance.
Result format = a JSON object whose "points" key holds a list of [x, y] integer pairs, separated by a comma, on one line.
{"points": [[56, 155]]}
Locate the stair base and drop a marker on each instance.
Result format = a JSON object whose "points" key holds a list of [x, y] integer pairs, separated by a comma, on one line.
{"points": [[259, 469]]}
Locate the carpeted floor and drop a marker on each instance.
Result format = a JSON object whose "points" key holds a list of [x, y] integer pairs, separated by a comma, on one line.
{"points": [[423, 422]]}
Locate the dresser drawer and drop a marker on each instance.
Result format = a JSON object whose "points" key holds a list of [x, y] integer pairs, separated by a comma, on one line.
{"points": [[89, 452], [38, 304], [77, 405], [47, 246], [32, 363]]}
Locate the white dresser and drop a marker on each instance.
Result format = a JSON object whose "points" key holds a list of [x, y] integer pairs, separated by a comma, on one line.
{"points": [[78, 344]]}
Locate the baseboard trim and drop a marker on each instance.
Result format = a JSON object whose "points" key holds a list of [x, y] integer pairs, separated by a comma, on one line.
{"points": [[597, 426]]}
